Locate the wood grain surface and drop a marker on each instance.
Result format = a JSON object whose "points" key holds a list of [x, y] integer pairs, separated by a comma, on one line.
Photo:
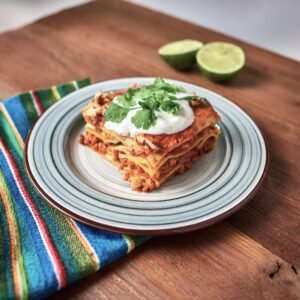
{"points": [[254, 254]]}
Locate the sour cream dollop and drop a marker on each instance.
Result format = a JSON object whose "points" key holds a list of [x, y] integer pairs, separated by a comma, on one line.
{"points": [[166, 123]]}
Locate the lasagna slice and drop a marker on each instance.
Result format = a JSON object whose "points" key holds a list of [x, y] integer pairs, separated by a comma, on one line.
{"points": [[147, 160]]}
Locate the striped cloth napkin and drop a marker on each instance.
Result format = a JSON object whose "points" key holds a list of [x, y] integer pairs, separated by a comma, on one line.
{"points": [[41, 250]]}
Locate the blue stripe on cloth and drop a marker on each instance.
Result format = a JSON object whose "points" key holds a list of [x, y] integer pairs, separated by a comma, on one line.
{"points": [[40, 275], [18, 115], [108, 246]]}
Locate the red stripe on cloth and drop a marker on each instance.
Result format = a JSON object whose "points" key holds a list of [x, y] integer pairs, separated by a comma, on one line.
{"points": [[37, 102], [52, 251]]}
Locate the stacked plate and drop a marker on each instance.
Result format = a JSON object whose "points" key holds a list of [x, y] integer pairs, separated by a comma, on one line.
{"points": [[82, 185]]}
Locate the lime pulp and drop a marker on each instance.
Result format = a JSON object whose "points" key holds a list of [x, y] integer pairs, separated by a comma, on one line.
{"points": [[220, 61]]}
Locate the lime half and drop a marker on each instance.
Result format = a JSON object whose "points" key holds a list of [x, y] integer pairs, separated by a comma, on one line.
{"points": [[220, 61], [180, 54]]}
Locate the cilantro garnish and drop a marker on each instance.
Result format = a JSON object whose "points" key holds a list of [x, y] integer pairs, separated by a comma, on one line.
{"points": [[144, 118], [142, 93], [127, 100], [159, 83], [150, 103], [189, 98], [170, 107], [116, 113], [159, 96]]}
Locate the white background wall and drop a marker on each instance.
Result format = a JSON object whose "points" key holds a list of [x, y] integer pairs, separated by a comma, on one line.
{"points": [[271, 24]]}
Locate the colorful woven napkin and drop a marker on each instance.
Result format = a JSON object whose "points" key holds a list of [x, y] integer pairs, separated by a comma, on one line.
{"points": [[41, 250]]}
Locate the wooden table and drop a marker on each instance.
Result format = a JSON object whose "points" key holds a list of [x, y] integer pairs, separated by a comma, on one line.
{"points": [[254, 254]]}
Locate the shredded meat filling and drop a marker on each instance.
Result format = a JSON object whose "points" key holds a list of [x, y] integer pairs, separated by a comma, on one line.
{"points": [[136, 175]]}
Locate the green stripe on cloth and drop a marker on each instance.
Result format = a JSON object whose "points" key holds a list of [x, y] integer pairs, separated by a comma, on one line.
{"points": [[47, 98], [20, 284], [82, 82], [8, 135], [28, 105], [5, 274]]}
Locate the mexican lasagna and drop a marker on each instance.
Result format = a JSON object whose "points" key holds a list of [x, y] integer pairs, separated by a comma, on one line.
{"points": [[150, 132]]}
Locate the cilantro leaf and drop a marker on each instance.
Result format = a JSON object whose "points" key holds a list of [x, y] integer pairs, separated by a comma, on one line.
{"points": [[188, 98], [144, 118], [160, 95], [159, 83], [171, 97], [115, 113], [170, 107], [143, 93], [127, 99], [150, 103]]}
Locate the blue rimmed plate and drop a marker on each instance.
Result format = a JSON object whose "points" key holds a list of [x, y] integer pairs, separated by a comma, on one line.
{"points": [[78, 182]]}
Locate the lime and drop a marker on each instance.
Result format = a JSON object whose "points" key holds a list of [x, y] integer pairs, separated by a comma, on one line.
{"points": [[180, 54], [220, 61]]}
